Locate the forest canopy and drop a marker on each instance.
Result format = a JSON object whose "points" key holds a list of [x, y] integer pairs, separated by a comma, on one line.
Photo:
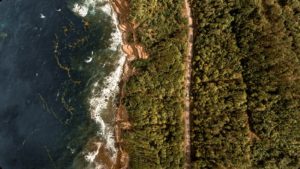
{"points": [[245, 89], [246, 85], [154, 94]]}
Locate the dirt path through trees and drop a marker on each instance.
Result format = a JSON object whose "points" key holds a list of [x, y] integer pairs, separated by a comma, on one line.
{"points": [[187, 82]]}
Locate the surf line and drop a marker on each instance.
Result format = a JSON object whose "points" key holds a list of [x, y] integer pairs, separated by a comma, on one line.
{"points": [[99, 99]]}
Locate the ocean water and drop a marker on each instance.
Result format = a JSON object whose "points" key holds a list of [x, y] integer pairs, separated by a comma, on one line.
{"points": [[60, 64]]}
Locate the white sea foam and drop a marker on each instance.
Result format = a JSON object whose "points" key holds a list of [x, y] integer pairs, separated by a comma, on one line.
{"points": [[107, 9], [116, 35], [88, 60], [98, 103], [99, 99], [87, 6], [90, 6], [90, 156], [81, 10], [42, 16]]}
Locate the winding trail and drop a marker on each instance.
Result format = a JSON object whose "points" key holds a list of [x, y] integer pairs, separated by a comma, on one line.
{"points": [[187, 84]]}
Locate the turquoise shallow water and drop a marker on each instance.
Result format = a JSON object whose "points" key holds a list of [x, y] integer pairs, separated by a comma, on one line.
{"points": [[53, 65]]}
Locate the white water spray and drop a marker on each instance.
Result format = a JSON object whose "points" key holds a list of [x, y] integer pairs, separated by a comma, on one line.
{"points": [[99, 99]]}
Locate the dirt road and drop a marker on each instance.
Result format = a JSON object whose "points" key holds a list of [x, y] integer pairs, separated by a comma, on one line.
{"points": [[187, 80]]}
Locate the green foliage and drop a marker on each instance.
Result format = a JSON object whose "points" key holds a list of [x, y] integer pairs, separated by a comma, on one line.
{"points": [[154, 103], [154, 96], [245, 89], [157, 20], [219, 130], [272, 71]]}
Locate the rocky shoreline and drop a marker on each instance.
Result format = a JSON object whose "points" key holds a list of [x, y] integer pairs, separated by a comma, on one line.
{"points": [[132, 50]]}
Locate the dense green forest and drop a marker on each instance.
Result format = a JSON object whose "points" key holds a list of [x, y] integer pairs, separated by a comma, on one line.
{"points": [[154, 94], [245, 109], [246, 85]]}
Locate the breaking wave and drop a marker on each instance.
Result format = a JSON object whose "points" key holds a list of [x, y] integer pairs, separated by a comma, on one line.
{"points": [[99, 97]]}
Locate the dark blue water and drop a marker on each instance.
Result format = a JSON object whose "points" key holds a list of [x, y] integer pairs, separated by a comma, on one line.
{"points": [[44, 121]]}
